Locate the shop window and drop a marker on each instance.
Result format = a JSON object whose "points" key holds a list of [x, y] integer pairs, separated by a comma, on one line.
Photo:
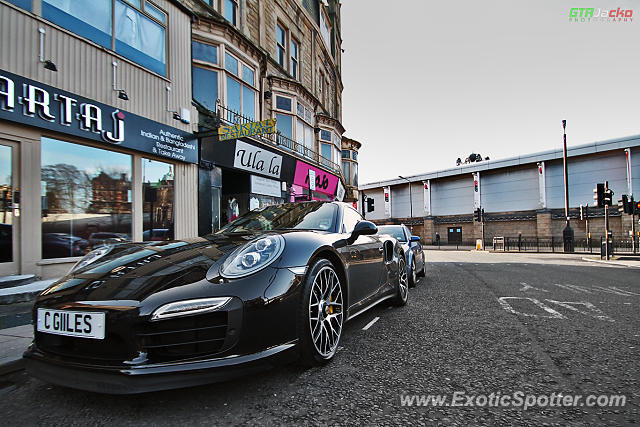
{"points": [[204, 52], [158, 192], [6, 204], [231, 11], [25, 4], [205, 87], [86, 193], [138, 29]]}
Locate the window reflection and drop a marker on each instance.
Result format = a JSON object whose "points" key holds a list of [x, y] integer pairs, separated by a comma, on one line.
{"points": [[6, 205], [158, 193], [86, 198]]}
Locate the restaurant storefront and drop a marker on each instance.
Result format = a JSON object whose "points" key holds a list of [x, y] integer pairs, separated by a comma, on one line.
{"points": [[240, 175], [75, 174]]}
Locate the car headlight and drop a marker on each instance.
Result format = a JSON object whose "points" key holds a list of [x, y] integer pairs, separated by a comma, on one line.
{"points": [[92, 256], [189, 307], [253, 257]]}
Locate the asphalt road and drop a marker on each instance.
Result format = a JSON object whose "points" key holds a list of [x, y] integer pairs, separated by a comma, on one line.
{"points": [[477, 324]]}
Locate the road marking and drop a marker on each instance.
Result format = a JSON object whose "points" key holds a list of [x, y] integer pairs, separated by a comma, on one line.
{"points": [[615, 291], [574, 288], [595, 312], [370, 324], [526, 287], [552, 313]]}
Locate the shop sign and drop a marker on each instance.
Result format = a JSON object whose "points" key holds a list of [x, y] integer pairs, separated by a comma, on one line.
{"points": [[254, 159], [246, 129], [35, 104], [265, 186], [326, 183]]}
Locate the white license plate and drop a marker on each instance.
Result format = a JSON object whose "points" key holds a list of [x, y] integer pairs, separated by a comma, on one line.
{"points": [[71, 323]]}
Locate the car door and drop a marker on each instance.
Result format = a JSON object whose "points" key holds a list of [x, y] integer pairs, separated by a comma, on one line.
{"points": [[364, 260], [416, 249]]}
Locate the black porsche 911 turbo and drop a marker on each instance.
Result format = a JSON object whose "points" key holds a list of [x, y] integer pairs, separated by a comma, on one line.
{"points": [[274, 285]]}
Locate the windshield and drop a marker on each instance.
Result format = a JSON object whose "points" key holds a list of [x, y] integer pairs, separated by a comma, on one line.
{"points": [[394, 231], [304, 216]]}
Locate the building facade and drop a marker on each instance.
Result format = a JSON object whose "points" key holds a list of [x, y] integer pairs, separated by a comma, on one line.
{"points": [[521, 196], [262, 60], [350, 149], [96, 128]]}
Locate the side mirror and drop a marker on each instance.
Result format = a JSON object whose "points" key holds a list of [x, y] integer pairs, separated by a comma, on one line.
{"points": [[414, 239], [363, 228]]}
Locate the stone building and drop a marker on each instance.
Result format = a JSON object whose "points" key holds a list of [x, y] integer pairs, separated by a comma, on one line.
{"points": [[521, 196], [350, 149], [257, 60]]}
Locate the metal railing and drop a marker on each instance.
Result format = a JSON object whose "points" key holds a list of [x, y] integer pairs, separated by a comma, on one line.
{"points": [[556, 244], [230, 117]]}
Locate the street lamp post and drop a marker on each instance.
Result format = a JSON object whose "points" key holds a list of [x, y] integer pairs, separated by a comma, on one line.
{"points": [[567, 233], [410, 199]]}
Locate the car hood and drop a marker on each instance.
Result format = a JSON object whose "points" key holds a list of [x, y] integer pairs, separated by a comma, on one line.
{"points": [[133, 271]]}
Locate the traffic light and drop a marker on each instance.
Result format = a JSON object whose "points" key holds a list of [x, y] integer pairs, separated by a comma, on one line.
{"points": [[623, 204], [581, 213], [599, 194], [477, 216], [370, 206], [608, 197], [637, 208]]}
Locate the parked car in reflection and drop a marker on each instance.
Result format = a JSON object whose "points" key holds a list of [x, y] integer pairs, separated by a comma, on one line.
{"points": [[156, 235], [61, 245], [102, 238], [412, 248], [275, 285]]}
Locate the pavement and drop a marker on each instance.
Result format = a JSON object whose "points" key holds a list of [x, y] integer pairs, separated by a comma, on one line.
{"points": [[13, 342], [478, 323]]}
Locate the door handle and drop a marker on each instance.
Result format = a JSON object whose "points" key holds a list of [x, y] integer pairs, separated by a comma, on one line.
{"points": [[380, 249]]}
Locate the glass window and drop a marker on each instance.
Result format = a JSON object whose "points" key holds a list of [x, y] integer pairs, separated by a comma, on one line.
{"points": [[345, 154], [139, 38], [158, 191], [204, 52], [6, 204], [283, 103], [395, 231], [355, 174], [325, 29], [248, 75], [87, 19], [284, 124], [154, 11], [300, 110], [85, 190], [350, 219], [294, 59], [231, 11], [135, 3], [248, 102], [346, 171], [205, 87], [231, 64], [306, 216], [25, 4], [325, 135], [234, 101], [280, 45], [355, 155], [325, 152]]}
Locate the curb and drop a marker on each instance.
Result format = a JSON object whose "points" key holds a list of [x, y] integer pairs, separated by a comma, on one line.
{"points": [[601, 261], [23, 297], [13, 365]]}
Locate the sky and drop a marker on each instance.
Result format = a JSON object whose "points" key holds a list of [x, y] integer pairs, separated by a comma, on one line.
{"points": [[426, 82]]}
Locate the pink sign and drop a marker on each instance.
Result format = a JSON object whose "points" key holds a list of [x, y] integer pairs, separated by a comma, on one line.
{"points": [[326, 183]]}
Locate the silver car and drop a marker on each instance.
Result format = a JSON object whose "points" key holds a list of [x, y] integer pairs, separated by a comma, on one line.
{"points": [[412, 250]]}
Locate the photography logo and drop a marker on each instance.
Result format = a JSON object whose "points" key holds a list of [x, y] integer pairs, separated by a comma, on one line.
{"points": [[591, 14]]}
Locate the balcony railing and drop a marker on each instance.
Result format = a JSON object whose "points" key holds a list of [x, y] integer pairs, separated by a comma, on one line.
{"points": [[230, 117]]}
